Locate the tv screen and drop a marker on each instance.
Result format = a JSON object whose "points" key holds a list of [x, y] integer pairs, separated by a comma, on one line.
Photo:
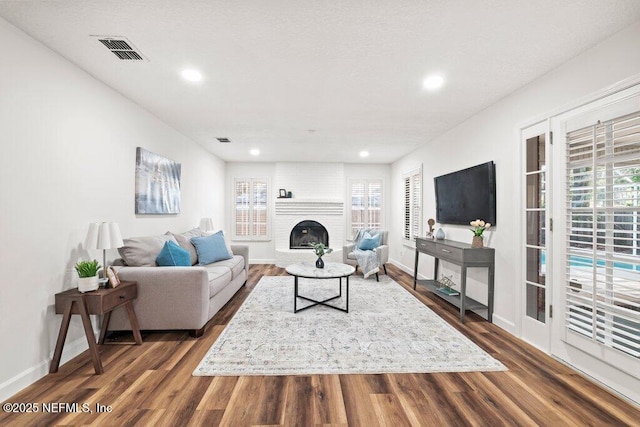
{"points": [[467, 195]]}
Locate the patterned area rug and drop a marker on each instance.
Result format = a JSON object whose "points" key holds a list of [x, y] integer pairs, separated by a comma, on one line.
{"points": [[387, 330]]}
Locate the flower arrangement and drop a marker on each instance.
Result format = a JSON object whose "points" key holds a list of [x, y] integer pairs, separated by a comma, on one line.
{"points": [[479, 226], [320, 249]]}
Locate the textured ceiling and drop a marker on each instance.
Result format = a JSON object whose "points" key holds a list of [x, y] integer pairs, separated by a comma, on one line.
{"points": [[312, 80]]}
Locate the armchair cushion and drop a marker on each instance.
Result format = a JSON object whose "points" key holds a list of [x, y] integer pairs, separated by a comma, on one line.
{"points": [[369, 242]]}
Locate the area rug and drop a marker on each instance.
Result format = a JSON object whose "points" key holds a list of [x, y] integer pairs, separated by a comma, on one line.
{"points": [[387, 330]]}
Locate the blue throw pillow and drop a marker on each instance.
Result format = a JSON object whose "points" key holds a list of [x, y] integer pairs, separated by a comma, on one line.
{"points": [[369, 242], [172, 255], [211, 248]]}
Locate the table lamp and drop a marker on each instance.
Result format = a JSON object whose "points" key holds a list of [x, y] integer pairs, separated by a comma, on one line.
{"points": [[206, 224], [105, 235]]}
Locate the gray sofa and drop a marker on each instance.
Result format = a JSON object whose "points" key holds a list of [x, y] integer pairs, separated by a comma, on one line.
{"points": [[177, 297]]}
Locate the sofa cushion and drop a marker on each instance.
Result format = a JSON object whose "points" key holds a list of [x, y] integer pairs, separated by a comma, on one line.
{"points": [[184, 240], [172, 255], [235, 264], [219, 278], [143, 251], [211, 248]]}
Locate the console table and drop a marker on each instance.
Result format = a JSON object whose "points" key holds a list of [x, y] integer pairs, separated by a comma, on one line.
{"points": [[465, 256]]}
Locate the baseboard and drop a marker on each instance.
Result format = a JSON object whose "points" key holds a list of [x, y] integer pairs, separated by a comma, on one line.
{"points": [[33, 374], [262, 261], [504, 324], [406, 269]]}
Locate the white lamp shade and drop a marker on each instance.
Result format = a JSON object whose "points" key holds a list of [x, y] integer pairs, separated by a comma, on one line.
{"points": [[206, 224], [105, 235], [91, 241]]}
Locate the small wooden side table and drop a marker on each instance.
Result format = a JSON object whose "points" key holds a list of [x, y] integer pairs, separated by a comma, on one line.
{"points": [[100, 301]]}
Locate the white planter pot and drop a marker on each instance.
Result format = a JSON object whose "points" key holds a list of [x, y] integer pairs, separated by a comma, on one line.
{"points": [[86, 284]]}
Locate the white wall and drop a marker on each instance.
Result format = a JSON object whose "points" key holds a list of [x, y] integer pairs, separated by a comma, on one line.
{"points": [[493, 134], [299, 178], [68, 158]]}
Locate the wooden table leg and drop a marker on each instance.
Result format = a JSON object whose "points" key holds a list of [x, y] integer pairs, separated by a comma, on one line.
{"points": [[133, 320], [62, 336], [105, 326], [91, 338]]}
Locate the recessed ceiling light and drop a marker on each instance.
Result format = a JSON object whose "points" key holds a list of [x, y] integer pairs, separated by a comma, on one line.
{"points": [[364, 153], [432, 82], [191, 75], [254, 152]]}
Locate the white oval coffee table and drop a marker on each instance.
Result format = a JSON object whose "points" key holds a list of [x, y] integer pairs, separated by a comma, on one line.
{"points": [[331, 270]]}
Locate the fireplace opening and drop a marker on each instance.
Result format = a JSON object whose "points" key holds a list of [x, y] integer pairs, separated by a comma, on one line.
{"points": [[305, 233]]}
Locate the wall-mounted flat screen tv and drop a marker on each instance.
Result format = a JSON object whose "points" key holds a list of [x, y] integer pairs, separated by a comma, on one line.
{"points": [[467, 195]]}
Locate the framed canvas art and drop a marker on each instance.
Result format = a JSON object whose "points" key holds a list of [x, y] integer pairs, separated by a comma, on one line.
{"points": [[157, 184]]}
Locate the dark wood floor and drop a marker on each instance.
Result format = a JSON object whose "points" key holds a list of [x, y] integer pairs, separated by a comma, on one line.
{"points": [[152, 385]]}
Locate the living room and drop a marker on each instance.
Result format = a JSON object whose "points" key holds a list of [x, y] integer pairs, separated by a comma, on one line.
{"points": [[70, 142]]}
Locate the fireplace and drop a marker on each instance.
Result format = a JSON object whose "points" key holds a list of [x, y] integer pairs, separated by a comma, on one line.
{"points": [[307, 232]]}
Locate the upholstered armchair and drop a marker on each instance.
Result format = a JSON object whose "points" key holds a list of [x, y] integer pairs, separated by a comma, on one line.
{"points": [[348, 256]]}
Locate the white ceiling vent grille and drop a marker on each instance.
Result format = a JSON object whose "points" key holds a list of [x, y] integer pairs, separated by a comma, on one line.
{"points": [[121, 47], [224, 140]]}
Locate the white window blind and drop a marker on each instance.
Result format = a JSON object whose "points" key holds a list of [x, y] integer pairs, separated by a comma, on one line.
{"points": [[366, 205], [602, 291], [413, 204], [251, 209]]}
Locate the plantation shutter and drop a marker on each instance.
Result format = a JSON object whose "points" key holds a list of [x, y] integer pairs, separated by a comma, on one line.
{"points": [[416, 204], [602, 291], [357, 206], [412, 204], [251, 214], [259, 208], [374, 204], [242, 209], [407, 207]]}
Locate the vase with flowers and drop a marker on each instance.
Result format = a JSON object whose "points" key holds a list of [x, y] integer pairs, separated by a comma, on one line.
{"points": [[320, 249], [479, 227]]}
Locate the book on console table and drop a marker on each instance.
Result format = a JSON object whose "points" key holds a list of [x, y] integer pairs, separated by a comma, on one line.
{"points": [[448, 291]]}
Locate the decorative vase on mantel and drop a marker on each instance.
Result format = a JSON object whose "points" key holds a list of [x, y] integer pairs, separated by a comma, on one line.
{"points": [[319, 262], [477, 242]]}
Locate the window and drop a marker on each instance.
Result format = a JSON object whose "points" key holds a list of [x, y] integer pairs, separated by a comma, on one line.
{"points": [[413, 204], [251, 213], [602, 289], [366, 205]]}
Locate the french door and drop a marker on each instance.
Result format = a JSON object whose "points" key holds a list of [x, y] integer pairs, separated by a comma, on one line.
{"points": [[535, 285]]}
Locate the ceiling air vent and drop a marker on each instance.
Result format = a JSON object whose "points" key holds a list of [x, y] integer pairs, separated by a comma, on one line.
{"points": [[121, 47], [224, 140]]}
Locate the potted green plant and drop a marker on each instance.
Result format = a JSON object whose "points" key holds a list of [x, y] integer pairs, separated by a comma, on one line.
{"points": [[88, 275], [320, 249]]}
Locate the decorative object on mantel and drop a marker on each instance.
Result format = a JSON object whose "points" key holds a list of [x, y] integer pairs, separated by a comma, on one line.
{"points": [[440, 234], [157, 184], [479, 226], [320, 249], [431, 223], [282, 193], [88, 275], [447, 286], [105, 235]]}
